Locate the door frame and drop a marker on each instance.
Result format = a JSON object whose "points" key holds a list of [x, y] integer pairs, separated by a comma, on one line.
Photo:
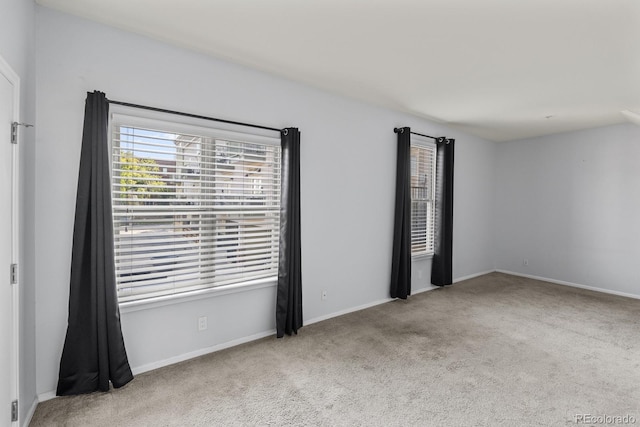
{"points": [[14, 79]]}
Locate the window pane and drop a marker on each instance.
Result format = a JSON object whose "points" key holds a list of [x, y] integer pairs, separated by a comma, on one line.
{"points": [[422, 186], [192, 211]]}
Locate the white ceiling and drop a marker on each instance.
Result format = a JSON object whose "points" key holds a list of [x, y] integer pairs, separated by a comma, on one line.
{"points": [[499, 69]]}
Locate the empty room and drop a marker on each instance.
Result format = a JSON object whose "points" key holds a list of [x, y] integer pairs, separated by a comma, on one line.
{"points": [[320, 213]]}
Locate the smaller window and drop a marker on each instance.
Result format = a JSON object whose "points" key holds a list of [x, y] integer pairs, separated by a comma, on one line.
{"points": [[422, 189]]}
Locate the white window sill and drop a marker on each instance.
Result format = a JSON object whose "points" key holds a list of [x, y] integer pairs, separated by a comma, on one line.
{"points": [[420, 257], [150, 303]]}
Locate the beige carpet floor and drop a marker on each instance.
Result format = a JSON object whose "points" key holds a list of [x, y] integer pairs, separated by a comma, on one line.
{"points": [[496, 350]]}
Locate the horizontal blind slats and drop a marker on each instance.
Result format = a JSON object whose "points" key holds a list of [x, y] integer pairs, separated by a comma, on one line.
{"points": [[131, 294], [422, 193], [192, 211]]}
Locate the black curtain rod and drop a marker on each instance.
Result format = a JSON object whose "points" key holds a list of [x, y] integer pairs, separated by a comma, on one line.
{"points": [[399, 130], [441, 138], [195, 116], [427, 136]]}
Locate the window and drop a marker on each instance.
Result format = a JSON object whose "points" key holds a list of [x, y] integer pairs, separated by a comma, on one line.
{"points": [[193, 207], [422, 202]]}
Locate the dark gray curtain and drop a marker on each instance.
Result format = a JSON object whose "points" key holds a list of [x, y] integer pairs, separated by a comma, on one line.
{"points": [[289, 293], [401, 254], [93, 352], [442, 264]]}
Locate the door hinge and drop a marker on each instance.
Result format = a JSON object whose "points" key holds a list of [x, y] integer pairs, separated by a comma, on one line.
{"points": [[14, 274], [14, 131], [14, 411]]}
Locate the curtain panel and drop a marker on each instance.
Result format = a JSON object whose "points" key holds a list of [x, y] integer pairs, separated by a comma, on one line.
{"points": [[289, 291], [401, 253], [442, 263], [94, 353]]}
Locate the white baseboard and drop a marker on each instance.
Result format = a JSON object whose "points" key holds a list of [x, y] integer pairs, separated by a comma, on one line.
{"points": [[346, 311], [382, 301], [47, 395], [419, 291], [32, 410], [471, 276], [180, 358], [573, 285], [200, 352], [362, 307]]}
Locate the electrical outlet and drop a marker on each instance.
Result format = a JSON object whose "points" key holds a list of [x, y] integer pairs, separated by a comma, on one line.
{"points": [[323, 295], [525, 262], [202, 323]]}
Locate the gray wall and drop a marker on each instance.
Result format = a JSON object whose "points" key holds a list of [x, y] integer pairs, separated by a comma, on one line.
{"points": [[570, 204], [18, 49], [348, 162]]}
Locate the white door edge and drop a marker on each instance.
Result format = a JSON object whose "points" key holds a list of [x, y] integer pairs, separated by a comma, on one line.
{"points": [[14, 79]]}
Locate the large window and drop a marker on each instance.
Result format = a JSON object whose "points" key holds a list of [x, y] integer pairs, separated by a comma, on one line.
{"points": [[193, 207], [422, 202]]}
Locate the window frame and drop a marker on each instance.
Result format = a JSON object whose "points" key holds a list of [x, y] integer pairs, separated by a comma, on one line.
{"points": [[164, 122], [421, 142]]}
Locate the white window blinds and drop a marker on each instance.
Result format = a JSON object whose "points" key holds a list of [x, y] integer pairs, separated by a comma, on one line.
{"points": [[192, 210], [422, 201]]}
